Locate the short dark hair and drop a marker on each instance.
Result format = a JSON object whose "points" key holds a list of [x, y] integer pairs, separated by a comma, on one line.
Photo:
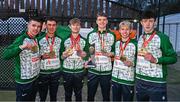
{"points": [[74, 20], [51, 19], [38, 19], [147, 15], [101, 14]]}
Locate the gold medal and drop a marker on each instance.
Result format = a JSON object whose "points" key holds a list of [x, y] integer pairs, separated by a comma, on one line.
{"points": [[69, 51], [103, 51], [142, 51], [123, 58], [34, 49], [51, 54]]}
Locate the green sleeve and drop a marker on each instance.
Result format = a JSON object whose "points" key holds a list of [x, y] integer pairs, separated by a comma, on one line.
{"points": [[169, 56], [62, 49], [135, 44], [41, 35], [87, 46], [13, 50], [63, 32], [86, 49], [113, 46]]}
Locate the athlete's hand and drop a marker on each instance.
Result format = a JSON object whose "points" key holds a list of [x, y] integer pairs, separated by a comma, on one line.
{"points": [[82, 54], [150, 57], [128, 63], [108, 54], [26, 46], [45, 56]]}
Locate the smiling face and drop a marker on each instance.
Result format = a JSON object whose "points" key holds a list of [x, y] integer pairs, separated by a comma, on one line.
{"points": [[124, 31], [148, 24], [125, 28], [34, 28], [101, 22]]}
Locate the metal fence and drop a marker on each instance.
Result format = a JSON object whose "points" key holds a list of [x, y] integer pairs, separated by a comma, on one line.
{"points": [[9, 30], [64, 10], [70, 8], [173, 31]]}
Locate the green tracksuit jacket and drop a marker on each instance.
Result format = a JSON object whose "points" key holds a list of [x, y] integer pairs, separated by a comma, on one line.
{"points": [[162, 49], [103, 63], [27, 63], [123, 74]]}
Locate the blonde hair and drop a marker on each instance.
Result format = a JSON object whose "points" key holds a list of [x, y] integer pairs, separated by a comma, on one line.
{"points": [[125, 23], [74, 20]]}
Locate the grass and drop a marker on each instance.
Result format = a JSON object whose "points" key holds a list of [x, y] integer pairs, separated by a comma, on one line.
{"points": [[7, 96]]}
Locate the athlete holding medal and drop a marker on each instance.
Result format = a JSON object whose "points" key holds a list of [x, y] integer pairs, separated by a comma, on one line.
{"points": [[74, 56], [101, 41], [124, 65], [25, 50], [155, 51], [50, 50]]}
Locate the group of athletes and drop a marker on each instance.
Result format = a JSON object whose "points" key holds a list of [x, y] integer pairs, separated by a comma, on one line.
{"points": [[129, 66]]}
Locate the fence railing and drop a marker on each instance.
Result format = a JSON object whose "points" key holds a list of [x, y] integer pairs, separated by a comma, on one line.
{"points": [[79, 8], [173, 31], [65, 9]]}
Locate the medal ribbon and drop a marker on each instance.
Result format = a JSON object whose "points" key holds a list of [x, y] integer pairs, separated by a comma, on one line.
{"points": [[123, 48], [75, 42], [52, 42], [50, 45], [29, 35], [146, 42], [102, 40], [35, 42]]}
